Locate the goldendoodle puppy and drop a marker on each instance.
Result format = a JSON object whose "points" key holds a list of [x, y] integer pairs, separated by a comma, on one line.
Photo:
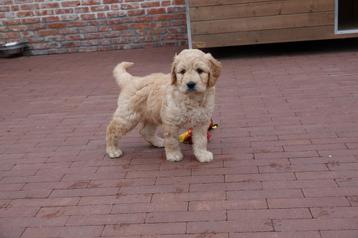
{"points": [[183, 99]]}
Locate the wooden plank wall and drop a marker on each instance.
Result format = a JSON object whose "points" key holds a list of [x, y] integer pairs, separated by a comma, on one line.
{"points": [[241, 22]]}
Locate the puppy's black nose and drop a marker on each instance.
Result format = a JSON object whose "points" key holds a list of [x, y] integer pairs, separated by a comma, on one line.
{"points": [[191, 85]]}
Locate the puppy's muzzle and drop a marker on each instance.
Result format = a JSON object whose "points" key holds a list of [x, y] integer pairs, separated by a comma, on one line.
{"points": [[191, 86]]}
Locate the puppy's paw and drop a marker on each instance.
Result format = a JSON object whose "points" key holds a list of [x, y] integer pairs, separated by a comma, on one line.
{"points": [[114, 153], [158, 142], [204, 156], [174, 156]]}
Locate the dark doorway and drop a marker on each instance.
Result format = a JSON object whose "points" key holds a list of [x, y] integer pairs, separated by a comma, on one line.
{"points": [[347, 15]]}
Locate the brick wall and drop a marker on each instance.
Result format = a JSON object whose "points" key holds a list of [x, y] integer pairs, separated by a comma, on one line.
{"points": [[55, 26]]}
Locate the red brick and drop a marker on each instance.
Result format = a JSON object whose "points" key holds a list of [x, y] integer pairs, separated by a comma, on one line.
{"points": [[11, 230], [44, 202], [340, 234], [300, 234], [121, 182], [322, 160], [342, 166], [222, 205], [259, 177], [219, 171], [176, 9], [229, 226], [50, 5], [41, 193], [90, 2], [191, 179], [48, 32], [277, 168], [298, 154], [150, 207], [135, 12], [314, 147], [70, 3], [211, 235], [111, 1], [270, 193], [299, 184], [85, 192], [225, 186], [74, 210], [253, 162], [155, 189], [158, 217], [67, 231], [165, 3], [335, 212], [347, 182], [56, 25], [153, 11], [307, 202], [336, 153], [108, 219], [316, 224], [327, 174], [18, 211], [35, 221], [353, 200], [29, 6], [179, 2], [137, 229], [294, 213], [88, 16], [190, 196], [51, 19], [25, 14], [99, 8], [162, 173], [352, 145], [11, 187], [330, 192], [149, 4], [99, 200], [40, 178]]}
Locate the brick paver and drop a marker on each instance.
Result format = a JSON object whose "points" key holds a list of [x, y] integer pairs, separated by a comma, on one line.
{"points": [[286, 151]]}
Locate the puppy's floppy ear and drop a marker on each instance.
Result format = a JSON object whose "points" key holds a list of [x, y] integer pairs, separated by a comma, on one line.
{"points": [[173, 70], [215, 70]]}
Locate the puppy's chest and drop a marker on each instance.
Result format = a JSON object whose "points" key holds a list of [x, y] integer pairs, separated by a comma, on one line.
{"points": [[189, 117]]}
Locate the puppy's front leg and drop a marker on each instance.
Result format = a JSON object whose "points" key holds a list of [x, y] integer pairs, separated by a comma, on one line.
{"points": [[200, 141], [171, 143]]}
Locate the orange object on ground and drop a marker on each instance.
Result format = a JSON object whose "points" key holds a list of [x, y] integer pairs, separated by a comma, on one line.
{"points": [[186, 136]]}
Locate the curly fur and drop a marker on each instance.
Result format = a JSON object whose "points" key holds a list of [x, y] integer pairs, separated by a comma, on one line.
{"points": [[167, 100]]}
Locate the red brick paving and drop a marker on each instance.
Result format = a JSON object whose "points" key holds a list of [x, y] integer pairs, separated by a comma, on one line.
{"points": [[286, 151]]}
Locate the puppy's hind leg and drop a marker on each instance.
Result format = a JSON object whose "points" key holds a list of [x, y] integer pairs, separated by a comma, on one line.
{"points": [[149, 134], [117, 128]]}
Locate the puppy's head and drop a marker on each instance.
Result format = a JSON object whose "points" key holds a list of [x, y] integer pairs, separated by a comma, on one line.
{"points": [[193, 71]]}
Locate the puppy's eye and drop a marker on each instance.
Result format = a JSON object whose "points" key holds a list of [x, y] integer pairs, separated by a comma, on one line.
{"points": [[199, 70], [182, 71]]}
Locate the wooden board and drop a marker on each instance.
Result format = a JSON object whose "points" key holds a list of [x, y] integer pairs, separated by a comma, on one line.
{"points": [[262, 23], [256, 9], [196, 3], [241, 22]]}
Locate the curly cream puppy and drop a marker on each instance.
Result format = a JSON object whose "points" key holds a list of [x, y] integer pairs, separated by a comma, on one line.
{"points": [[183, 99]]}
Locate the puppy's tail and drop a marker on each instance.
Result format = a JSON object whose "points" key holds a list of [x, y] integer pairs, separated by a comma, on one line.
{"points": [[121, 75]]}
